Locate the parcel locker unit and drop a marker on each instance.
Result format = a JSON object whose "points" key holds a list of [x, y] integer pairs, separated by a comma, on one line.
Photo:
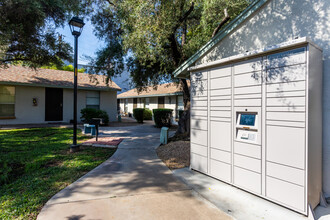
{"points": [[256, 122]]}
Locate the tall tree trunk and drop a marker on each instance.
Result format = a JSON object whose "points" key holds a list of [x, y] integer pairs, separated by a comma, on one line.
{"points": [[184, 120]]}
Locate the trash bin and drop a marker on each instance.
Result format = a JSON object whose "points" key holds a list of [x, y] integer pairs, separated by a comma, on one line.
{"points": [[164, 135], [89, 129]]}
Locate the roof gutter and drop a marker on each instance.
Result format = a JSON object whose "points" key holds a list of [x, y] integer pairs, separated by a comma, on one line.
{"points": [[181, 71]]}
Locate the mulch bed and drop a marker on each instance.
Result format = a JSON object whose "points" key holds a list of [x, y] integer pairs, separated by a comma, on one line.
{"points": [[103, 141], [175, 154]]}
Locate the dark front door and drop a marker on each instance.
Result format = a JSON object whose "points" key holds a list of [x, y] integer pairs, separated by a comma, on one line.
{"points": [[54, 104], [161, 102], [134, 103]]}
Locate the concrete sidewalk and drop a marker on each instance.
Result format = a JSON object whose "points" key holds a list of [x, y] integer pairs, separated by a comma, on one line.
{"points": [[132, 184]]}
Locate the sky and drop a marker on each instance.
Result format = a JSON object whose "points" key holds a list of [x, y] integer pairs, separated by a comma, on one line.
{"points": [[88, 43]]}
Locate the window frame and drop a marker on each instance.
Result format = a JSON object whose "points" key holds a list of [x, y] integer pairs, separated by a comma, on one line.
{"points": [[14, 104], [88, 97]]}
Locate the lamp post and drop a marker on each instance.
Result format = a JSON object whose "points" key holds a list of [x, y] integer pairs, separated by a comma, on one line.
{"points": [[76, 25]]}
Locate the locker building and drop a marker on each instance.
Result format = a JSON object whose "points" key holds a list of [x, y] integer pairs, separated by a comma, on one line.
{"points": [[256, 122]]}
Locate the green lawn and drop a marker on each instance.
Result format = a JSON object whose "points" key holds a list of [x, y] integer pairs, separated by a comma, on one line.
{"points": [[35, 164]]}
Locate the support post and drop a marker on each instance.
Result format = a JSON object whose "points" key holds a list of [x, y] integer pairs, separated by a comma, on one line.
{"points": [[74, 147]]}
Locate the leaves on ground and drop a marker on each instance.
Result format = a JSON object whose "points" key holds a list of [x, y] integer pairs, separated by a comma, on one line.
{"points": [[175, 154]]}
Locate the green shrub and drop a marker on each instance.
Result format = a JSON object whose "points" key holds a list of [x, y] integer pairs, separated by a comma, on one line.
{"points": [[162, 117], [147, 114], [88, 113], [138, 114]]}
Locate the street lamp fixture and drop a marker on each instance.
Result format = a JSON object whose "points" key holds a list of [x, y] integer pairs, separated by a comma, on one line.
{"points": [[76, 26]]}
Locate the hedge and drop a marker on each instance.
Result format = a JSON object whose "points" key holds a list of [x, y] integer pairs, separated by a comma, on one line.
{"points": [[138, 114], [147, 114], [163, 117], [88, 113]]}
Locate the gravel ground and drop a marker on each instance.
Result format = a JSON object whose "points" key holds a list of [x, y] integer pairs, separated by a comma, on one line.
{"points": [[175, 154]]}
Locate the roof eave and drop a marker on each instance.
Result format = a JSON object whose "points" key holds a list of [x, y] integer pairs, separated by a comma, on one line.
{"points": [[182, 71], [154, 95], [55, 86]]}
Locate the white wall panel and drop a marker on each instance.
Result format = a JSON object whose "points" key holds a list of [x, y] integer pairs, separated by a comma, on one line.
{"points": [[221, 137], [287, 193], [248, 66], [247, 179], [247, 163], [286, 74], [220, 170], [283, 143], [251, 150], [224, 114], [199, 124], [292, 57], [286, 86], [248, 90], [286, 101], [247, 79], [220, 72], [285, 173], [199, 149], [247, 102], [220, 155], [198, 162], [199, 137], [286, 116], [221, 83], [220, 92]]}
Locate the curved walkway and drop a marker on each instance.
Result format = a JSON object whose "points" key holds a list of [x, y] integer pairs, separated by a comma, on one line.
{"points": [[132, 184]]}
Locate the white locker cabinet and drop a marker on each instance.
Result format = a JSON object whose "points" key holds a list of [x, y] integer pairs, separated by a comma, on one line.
{"points": [[256, 122]]}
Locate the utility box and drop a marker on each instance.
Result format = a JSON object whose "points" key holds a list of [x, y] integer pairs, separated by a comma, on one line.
{"points": [[256, 122]]}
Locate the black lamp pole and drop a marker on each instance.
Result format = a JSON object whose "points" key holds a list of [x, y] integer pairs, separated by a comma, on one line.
{"points": [[76, 25]]}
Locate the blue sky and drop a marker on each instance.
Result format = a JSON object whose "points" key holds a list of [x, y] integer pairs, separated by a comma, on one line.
{"points": [[88, 43]]}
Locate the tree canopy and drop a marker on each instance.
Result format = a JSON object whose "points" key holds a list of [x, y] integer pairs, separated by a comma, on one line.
{"points": [[27, 30], [156, 35]]}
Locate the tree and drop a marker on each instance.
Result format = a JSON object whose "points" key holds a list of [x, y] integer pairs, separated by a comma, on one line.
{"points": [[27, 31], [159, 35], [61, 66]]}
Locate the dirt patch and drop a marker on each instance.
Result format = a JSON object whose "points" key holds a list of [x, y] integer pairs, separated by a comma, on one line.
{"points": [[175, 154]]}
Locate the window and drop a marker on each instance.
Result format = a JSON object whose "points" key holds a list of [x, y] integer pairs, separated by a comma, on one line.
{"points": [[7, 101], [93, 99]]}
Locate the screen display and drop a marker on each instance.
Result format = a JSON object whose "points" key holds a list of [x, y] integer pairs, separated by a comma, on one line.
{"points": [[247, 119]]}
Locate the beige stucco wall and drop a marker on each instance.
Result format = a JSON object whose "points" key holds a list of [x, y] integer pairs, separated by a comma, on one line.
{"points": [[279, 21], [108, 103], [26, 113]]}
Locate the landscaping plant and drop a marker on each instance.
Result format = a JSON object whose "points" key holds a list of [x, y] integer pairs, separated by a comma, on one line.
{"points": [[147, 114], [163, 117], [88, 113], [138, 114]]}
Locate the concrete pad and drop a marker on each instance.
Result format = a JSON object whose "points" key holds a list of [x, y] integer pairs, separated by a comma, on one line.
{"points": [[176, 205], [133, 184], [236, 202]]}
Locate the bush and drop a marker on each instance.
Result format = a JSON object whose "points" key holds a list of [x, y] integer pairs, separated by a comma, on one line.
{"points": [[147, 114], [162, 117], [138, 114], [88, 113]]}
